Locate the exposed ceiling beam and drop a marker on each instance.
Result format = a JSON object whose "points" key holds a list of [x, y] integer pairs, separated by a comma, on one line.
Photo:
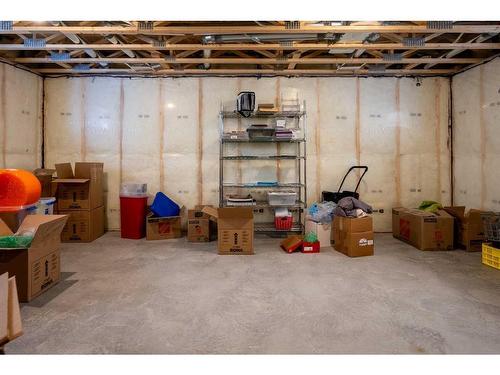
{"points": [[253, 47], [230, 60], [326, 72], [211, 30], [477, 40]]}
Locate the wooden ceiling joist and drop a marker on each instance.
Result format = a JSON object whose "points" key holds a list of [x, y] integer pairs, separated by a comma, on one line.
{"points": [[291, 72], [258, 60], [225, 30], [249, 48], [252, 46]]}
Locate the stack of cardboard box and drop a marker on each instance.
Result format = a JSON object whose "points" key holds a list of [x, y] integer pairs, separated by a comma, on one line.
{"points": [[423, 230], [353, 236], [80, 196]]}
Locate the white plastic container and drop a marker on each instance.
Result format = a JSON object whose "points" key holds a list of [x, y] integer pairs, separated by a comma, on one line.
{"points": [[45, 206], [133, 190], [282, 198]]}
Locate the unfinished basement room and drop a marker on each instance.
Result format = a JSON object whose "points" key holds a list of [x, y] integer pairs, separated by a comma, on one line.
{"points": [[231, 186]]}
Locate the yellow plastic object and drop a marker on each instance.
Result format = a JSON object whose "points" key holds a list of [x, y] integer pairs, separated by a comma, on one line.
{"points": [[491, 256]]}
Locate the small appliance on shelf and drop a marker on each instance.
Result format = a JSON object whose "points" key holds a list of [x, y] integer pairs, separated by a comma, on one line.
{"points": [[260, 131]]}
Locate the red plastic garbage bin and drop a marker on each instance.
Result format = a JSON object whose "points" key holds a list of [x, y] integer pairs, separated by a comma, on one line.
{"points": [[133, 208]]}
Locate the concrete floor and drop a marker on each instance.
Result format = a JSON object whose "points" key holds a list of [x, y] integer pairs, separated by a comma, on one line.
{"points": [[125, 296]]}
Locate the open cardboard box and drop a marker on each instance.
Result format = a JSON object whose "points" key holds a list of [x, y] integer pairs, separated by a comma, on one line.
{"points": [[81, 190], [201, 226], [469, 230], [234, 229], [37, 267]]}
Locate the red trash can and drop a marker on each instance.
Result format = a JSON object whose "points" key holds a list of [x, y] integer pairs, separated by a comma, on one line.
{"points": [[133, 209]]}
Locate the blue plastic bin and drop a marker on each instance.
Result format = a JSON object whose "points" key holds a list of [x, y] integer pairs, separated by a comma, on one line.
{"points": [[164, 206]]}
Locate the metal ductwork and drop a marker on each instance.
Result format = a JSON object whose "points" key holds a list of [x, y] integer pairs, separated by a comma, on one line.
{"points": [[259, 38]]}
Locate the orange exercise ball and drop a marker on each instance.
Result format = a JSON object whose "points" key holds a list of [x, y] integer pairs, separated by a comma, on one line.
{"points": [[18, 188]]}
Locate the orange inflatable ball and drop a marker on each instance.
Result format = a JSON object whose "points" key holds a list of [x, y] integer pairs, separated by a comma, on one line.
{"points": [[18, 188]]}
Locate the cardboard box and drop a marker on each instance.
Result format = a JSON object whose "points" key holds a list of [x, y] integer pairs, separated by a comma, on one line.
{"points": [[81, 190], [353, 236], [234, 229], [83, 225], [322, 231], [468, 229], [163, 228], [423, 230], [356, 244], [36, 268], [11, 326], [201, 226], [347, 224], [45, 176]]}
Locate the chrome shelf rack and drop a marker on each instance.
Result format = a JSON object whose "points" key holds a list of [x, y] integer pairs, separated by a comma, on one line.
{"points": [[295, 120]]}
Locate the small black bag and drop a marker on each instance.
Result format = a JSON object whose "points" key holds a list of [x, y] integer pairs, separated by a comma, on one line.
{"points": [[245, 103], [338, 195]]}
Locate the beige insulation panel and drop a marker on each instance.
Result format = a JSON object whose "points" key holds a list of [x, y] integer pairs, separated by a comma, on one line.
{"points": [[165, 132], [476, 137], [21, 95]]}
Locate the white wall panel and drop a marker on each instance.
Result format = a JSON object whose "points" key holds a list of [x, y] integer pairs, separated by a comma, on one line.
{"points": [[180, 152], [476, 137], [165, 132], [64, 119], [20, 118], [141, 133], [102, 138]]}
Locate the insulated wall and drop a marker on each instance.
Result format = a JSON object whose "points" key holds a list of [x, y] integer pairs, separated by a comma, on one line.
{"points": [[165, 132], [476, 137], [21, 94]]}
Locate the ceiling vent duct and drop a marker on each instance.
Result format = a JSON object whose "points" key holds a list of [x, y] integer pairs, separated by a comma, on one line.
{"points": [[440, 25], [292, 25], [259, 38], [414, 42], [60, 56], [35, 42], [6, 25], [145, 25], [392, 56]]}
